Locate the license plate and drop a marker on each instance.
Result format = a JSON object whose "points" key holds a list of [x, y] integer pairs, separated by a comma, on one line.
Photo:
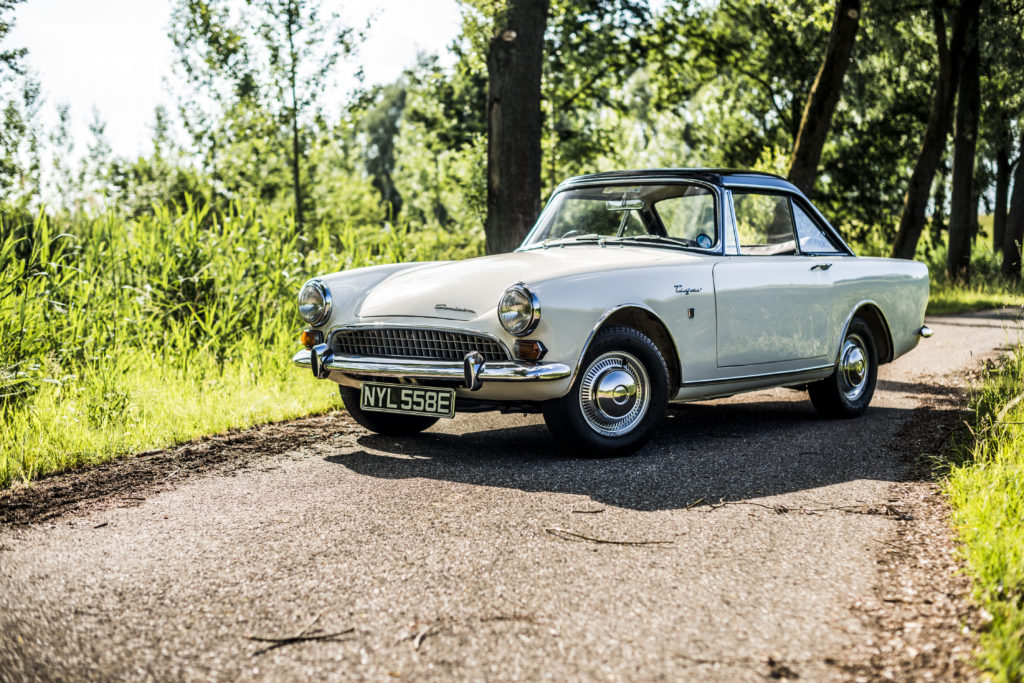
{"points": [[407, 400]]}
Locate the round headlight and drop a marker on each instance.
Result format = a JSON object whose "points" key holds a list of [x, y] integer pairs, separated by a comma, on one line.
{"points": [[519, 310], [314, 302]]}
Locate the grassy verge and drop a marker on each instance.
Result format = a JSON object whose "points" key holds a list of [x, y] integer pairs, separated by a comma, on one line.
{"points": [[947, 299], [986, 489], [119, 335]]}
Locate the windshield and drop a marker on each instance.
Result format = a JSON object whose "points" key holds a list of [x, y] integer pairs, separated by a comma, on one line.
{"points": [[680, 215]]}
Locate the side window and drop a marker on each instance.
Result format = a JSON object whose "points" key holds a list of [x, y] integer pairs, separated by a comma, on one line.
{"points": [[764, 223], [813, 240]]}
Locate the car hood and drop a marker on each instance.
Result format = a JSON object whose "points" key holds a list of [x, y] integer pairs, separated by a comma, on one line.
{"points": [[466, 290]]}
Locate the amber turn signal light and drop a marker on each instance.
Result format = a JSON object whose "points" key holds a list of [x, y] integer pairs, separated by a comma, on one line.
{"points": [[530, 350], [311, 338]]}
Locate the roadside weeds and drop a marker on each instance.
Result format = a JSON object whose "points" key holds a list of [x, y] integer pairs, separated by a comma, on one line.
{"points": [[984, 483]]}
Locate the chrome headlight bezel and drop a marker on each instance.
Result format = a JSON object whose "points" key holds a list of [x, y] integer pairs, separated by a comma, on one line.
{"points": [[524, 324], [324, 311]]}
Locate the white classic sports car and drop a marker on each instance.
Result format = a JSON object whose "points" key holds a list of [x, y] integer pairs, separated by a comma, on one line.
{"points": [[635, 289]]}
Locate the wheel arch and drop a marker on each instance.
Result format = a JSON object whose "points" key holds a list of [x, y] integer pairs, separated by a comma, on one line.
{"points": [[871, 313], [646, 321]]}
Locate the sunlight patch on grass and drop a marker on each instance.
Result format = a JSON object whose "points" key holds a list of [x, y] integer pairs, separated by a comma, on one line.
{"points": [[946, 299]]}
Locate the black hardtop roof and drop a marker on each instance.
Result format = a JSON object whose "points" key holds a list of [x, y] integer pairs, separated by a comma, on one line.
{"points": [[728, 177]]}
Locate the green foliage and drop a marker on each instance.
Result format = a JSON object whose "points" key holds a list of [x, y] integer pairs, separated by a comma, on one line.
{"points": [[10, 59], [592, 48], [737, 72], [877, 129], [19, 139], [986, 489], [254, 78], [121, 334]]}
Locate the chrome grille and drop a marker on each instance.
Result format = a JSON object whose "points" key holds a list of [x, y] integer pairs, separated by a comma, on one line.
{"points": [[414, 343]]}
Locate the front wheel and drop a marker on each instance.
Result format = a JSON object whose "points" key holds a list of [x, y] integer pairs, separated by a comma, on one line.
{"points": [[388, 424], [618, 399], [848, 391]]}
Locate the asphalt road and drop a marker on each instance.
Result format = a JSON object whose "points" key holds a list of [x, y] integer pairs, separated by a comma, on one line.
{"points": [[453, 555]]}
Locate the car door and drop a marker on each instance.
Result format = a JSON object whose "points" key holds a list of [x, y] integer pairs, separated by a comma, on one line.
{"points": [[774, 300]]}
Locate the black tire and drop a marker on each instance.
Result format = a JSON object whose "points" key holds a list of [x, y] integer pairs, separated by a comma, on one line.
{"points": [[388, 424], [636, 382], [848, 391]]}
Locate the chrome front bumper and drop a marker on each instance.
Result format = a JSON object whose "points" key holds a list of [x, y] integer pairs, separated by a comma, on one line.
{"points": [[427, 369]]}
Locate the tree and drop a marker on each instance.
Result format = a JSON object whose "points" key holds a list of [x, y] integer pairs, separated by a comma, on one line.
{"points": [[1015, 225], [440, 149], [934, 143], [19, 141], [255, 78], [213, 61], [735, 73], [824, 96], [515, 58], [1004, 168], [20, 102], [303, 46], [380, 122], [1002, 96], [10, 59], [876, 130], [62, 145], [963, 215], [592, 48]]}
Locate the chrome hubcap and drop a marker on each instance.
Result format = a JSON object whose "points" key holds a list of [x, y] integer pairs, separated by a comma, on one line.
{"points": [[853, 367], [614, 393]]}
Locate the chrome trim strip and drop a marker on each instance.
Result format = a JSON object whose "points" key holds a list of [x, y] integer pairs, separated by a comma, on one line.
{"points": [[732, 246], [746, 378], [386, 367]]}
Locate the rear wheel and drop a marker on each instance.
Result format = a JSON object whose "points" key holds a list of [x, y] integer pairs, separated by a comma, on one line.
{"points": [[388, 424], [618, 399], [848, 391]]}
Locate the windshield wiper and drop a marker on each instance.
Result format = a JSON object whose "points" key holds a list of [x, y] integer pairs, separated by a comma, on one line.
{"points": [[589, 237], [660, 239]]}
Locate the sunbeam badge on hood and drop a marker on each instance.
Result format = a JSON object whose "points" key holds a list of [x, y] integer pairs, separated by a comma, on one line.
{"points": [[454, 309]]}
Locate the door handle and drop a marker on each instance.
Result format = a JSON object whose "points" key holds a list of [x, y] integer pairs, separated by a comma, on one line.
{"points": [[821, 266]]}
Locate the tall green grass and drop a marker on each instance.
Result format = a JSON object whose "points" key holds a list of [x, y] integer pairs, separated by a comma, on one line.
{"points": [[121, 335], [987, 288], [986, 489]]}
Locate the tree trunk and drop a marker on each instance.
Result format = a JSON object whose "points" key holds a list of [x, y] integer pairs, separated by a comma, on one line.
{"points": [[964, 209], [934, 143], [824, 96], [1015, 224], [1002, 196], [939, 202], [292, 78], [514, 62]]}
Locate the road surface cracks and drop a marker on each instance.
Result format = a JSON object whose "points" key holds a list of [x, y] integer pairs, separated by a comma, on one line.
{"points": [[749, 540]]}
